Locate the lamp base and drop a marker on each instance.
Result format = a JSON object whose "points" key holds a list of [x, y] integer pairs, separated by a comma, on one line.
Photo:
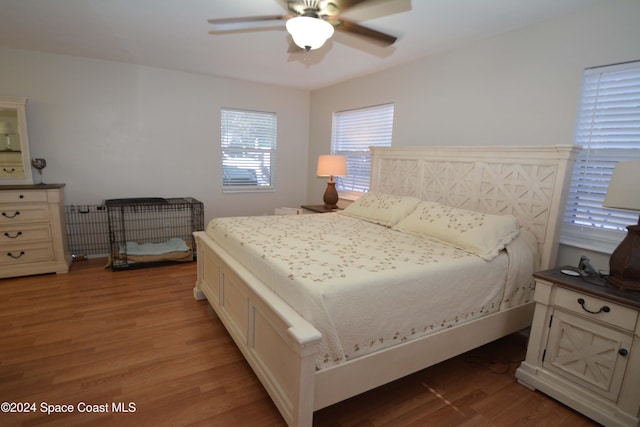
{"points": [[330, 197], [624, 264]]}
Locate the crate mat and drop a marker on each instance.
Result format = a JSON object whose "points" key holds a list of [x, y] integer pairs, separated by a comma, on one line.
{"points": [[174, 249]]}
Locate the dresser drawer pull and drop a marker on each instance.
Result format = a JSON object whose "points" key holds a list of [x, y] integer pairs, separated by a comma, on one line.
{"points": [[14, 256], [12, 170], [4, 214], [18, 234], [623, 352], [604, 308]]}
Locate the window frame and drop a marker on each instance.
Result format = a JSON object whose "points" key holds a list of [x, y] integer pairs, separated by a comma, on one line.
{"points": [[606, 136], [353, 132], [251, 172]]}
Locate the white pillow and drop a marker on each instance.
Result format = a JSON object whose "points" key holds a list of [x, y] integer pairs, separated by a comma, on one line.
{"points": [[381, 208], [476, 232]]}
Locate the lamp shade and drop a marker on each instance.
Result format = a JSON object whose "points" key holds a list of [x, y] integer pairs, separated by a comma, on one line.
{"points": [[329, 165], [308, 32], [623, 192]]}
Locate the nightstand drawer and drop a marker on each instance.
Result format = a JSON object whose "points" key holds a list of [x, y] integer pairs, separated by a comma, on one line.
{"points": [[596, 308], [19, 214]]}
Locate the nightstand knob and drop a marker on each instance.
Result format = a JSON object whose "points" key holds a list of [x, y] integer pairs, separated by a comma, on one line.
{"points": [[604, 308], [623, 352]]}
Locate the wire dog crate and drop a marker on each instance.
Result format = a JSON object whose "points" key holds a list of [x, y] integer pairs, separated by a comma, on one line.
{"points": [[87, 231], [151, 231]]}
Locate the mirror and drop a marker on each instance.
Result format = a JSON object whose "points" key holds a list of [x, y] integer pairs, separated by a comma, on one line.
{"points": [[15, 161]]}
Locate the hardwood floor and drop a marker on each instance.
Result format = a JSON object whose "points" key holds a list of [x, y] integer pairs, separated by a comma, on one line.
{"points": [[137, 340]]}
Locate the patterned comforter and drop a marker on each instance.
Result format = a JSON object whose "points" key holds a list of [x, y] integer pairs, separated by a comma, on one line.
{"points": [[365, 286]]}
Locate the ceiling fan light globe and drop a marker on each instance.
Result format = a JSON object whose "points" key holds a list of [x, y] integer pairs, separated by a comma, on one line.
{"points": [[309, 33]]}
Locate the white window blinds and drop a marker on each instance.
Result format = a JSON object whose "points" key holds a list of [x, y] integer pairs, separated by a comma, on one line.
{"points": [[248, 140], [608, 129], [354, 131]]}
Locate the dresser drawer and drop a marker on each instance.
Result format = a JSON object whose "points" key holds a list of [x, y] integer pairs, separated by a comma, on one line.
{"points": [[11, 171], [596, 308], [19, 214], [25, 233], [12, 166], [21, 196], [29, 252]]}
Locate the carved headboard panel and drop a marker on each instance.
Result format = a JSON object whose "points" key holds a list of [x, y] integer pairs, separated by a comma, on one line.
{"points": [[530, 183]]}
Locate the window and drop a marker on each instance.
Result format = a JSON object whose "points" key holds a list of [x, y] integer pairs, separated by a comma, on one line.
{"points": [[354, 131], [608, 130], [248, 141]]}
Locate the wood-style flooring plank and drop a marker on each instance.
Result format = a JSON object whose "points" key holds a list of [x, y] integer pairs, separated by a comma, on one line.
{"points": [[114, 338]]}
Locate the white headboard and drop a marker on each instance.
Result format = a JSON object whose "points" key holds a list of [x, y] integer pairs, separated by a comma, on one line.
{"points": [[528, 182]]}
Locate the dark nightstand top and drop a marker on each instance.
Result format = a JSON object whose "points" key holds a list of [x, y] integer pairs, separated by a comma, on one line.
{"points": [[319, 208], [591, 285]]}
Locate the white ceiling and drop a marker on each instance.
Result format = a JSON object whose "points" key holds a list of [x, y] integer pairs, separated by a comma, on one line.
{"points": [[173, 34]]}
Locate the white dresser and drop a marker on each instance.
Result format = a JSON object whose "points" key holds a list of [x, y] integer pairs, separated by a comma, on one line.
{"points": [[33, 235], [584, 347]]}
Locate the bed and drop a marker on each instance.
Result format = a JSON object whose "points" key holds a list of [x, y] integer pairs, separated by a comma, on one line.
{"points": [[298, 327]]}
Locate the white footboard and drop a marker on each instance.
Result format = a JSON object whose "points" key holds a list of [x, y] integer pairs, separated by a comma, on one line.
{"points": [[278, 343]]}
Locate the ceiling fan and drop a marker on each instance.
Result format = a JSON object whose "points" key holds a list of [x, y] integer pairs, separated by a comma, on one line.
{"points": [[309, 22]]}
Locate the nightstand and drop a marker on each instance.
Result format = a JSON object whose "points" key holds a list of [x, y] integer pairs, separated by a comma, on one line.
{"points": [[584, 347], [318, 208]]}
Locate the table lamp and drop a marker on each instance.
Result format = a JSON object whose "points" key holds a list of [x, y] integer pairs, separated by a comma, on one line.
{"points": [[329, 165], [624, 194]]}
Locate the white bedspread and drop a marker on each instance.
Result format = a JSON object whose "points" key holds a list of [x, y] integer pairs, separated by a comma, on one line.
{"points": [[365, 286]]}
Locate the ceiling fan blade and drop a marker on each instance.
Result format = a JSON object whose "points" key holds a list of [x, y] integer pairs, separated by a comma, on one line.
{"points": [[342, 5], [224, 21], [352, 27], [249, 23]]}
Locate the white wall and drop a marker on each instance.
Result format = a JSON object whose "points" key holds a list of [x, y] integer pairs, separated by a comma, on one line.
{"points": [[519, 88], [113, 130]]}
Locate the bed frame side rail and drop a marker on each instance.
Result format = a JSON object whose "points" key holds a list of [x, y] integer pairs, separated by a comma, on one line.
{"points": [[349, 379]]}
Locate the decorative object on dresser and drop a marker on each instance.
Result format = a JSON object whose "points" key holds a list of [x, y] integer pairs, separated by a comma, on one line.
{"points": [[14, 144], [584, 346], [624, 264], [303, 362], [33, 235], [39, 164], [329, 165]]}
